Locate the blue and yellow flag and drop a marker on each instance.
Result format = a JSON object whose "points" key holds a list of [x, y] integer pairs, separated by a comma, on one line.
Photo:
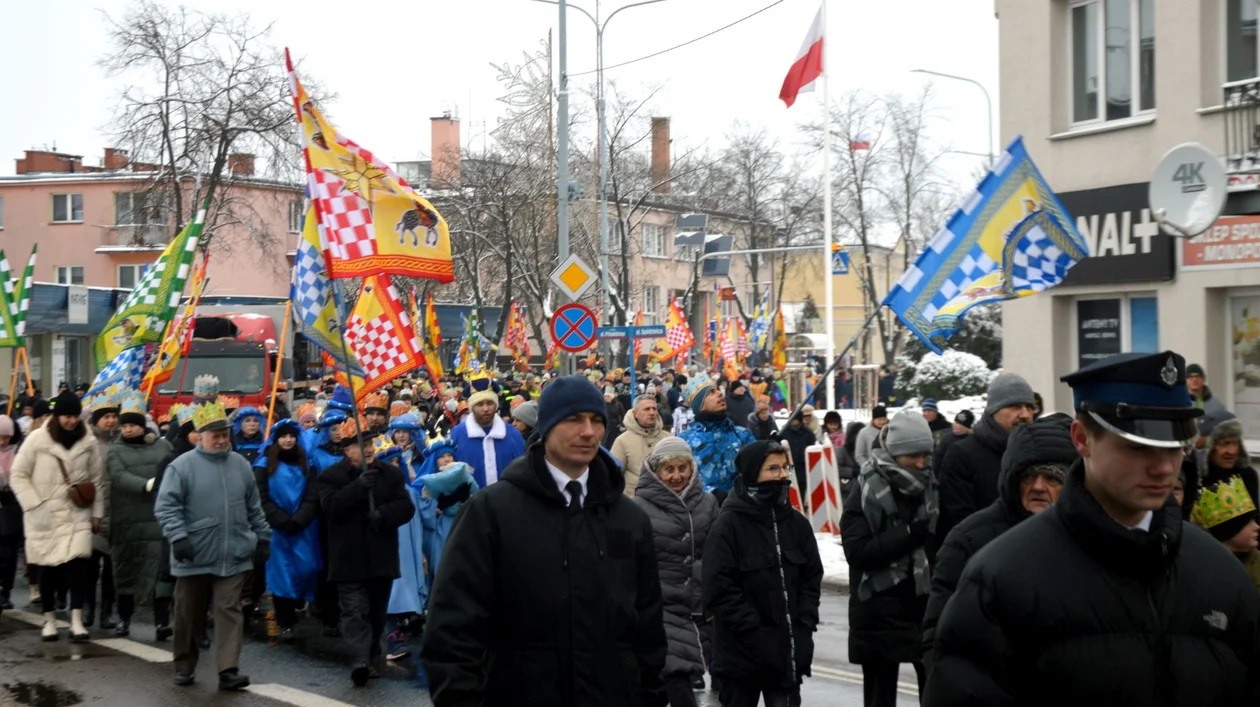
{"points": [[1011, 238], [313, 302]]}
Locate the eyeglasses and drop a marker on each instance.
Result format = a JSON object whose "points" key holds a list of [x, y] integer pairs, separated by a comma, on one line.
{"points": [[779, 469]]}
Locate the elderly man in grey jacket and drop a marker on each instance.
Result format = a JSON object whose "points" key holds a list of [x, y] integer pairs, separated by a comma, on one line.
{"points": [[210, 511]]}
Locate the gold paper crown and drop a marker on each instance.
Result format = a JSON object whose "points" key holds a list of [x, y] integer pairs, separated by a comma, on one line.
{"points": [[133, 402], [207, 414], [376, 400], [181, 412], [351, 427], [230, 402], [108, 399], [307, 408], [382, 445], [398, 407], [1226, 502]]}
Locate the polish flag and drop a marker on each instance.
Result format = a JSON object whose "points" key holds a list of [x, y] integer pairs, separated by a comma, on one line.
{"points": [[808, 65]]}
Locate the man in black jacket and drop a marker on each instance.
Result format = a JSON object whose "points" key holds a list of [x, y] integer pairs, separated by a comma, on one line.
{"points": [[1033, 470], [1106, 598], [760, 553], [547, 593], [364, 502], [968, 473]]}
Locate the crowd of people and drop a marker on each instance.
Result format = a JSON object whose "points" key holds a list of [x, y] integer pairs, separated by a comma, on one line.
{"points": [[571, 540]]}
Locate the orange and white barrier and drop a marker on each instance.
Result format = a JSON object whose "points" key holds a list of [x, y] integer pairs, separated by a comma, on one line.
{"points": [[824, 489]]}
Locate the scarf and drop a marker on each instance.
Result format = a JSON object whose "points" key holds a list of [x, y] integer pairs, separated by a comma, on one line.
{"points": [[878, 479], [498, 430], [991, 434]]}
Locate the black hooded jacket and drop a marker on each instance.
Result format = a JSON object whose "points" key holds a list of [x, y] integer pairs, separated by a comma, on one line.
{"points": [[1049, 440], [536, 604], [356, 549], [749, 571], [1072, 608], [969, 473]]}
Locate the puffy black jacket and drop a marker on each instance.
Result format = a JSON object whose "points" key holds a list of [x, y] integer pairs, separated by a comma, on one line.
{"points": [[1071, 608], [1049, 440], [680, 527], [536, 605], [761, 429], [747, 573], [739, 407], [798, 438], [356, 550], [969, 474]]}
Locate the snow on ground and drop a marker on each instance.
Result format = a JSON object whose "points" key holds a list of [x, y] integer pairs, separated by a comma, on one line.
{"points": [[835, 569]]}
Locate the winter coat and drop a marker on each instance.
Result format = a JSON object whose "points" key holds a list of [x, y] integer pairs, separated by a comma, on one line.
{"points": [[714, 443], [135, 536], [10, 509], [1212, 407], [867, 440], [675, 397], [613, 412], [212, 500], [1071, 608], [1047, 440], [356, 550], [939, 427], [680, 526], [104, 438], [633, 446], [248, 447], [536, 604], [757, 557], [739, 407], [470, 450], [969, 474], [761, 429], [948, 439], [888, 625], [290, 502], [798, 438], [56, 530]]}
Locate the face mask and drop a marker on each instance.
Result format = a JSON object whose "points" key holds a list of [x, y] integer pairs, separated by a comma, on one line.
{"points": [[770, 493]]}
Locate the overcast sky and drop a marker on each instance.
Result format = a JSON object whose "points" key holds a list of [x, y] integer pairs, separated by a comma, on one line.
{"points": [[394, 65]]}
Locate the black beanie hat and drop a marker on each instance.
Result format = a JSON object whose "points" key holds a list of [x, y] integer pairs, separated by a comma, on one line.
{"points": [[40, 407], [567, 396], [751, 456], [133, 418], [67, 403]]}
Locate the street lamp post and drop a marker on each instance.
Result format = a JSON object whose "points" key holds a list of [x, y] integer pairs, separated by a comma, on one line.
{"points": [[988, 101]]}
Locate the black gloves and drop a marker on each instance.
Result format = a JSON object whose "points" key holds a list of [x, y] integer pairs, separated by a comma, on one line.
{"points": [[375, 519], [459, 495], [183, 550], [292, 527], [920, 529], [368, 478], [262, 553]]}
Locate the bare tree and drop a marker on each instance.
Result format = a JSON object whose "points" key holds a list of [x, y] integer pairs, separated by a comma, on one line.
{"points": [[206, 112]]}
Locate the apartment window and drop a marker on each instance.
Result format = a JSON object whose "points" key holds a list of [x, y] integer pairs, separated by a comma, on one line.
{"points": [[67, 208], [616, 231], [653, 240], [651, 303], [1242, 53], [129, 275], [686, 253], [137, 209], [1112, 48], [69, 274], [295, 216]]}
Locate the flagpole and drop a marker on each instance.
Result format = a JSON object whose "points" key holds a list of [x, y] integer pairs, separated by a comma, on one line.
{"points": [[354, 401], [26, 363], [275, 375], [829, 325], [13, 382]]}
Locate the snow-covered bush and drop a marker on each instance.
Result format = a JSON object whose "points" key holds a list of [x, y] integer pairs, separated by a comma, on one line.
{"points": [[953, 374]]}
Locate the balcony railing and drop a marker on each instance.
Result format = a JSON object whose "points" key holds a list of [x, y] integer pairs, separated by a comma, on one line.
{"points": [[1242, 126], [137, 237]]}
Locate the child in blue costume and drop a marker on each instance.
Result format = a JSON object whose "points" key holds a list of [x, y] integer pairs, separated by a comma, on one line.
{"points": [[410, 592], [408, 434], [286, 485], [247, 435], [447, 484]]}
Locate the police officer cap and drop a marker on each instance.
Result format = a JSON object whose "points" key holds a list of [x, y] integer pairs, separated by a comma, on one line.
{"points": [[1140, 397]]}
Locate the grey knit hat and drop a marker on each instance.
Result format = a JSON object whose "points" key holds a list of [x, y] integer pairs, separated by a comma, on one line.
{"points": [[668, 448], [1008, 389], [527, 412], [908, 433]]}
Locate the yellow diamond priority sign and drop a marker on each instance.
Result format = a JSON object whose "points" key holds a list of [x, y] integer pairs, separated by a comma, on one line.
{"points": [[573, 277]]}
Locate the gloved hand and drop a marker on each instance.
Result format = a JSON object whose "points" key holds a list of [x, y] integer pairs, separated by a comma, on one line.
{"points": [[368, 478], [920, 529], [447, 500], [375, 519], [262, 553], [183, 550], [292, 527]]}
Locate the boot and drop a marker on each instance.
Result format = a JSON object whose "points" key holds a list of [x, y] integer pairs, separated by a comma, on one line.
{"points": [[89, 613], [233, 679], [122, 629], [78, 632], [162, 632], [5, 603], [107, 618], [49, 632]]}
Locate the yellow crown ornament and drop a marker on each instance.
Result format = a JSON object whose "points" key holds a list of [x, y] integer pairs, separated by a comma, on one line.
{"points": [[210, 416], [1225, 502], [133, 402]]}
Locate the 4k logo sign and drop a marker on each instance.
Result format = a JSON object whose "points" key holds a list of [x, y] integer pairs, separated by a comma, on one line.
{"points": [[1190, 175]]}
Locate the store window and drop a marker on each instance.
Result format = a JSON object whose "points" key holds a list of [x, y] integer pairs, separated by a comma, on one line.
{"points": [[1245, 364], [1107, 326], [1112, 58]]}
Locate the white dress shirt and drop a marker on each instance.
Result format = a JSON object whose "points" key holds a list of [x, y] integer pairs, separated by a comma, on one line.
{"points": [[562, 479]]}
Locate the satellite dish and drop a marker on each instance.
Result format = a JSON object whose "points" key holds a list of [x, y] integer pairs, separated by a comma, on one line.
{"points": [[1188, 190]]}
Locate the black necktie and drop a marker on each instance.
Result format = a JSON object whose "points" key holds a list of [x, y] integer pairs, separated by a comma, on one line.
{"points": [[575, 494]]}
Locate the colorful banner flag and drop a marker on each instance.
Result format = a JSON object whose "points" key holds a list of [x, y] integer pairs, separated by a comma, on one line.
{"points": [[730, 364], [8, 308], [1011, 238], [371, 221], [380, 335], [759, 335], [678, 339], [179, 334], [313, 302], [125, 370], [143, 316], [17, 294], [636, 344], [432, 340], [516, 336], [778, 355]]}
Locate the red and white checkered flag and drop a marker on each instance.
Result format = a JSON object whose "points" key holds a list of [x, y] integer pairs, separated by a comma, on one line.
{"points": [[381, 335], [678, 339]]}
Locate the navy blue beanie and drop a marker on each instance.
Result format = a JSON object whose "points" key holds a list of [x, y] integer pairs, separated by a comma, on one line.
{"points": [[697, 399], [568, 396]]}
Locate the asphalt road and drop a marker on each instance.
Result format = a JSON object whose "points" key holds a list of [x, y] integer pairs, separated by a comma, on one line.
{"points": [[313, 672]]}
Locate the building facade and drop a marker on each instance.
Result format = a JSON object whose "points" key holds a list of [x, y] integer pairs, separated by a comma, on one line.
{"points": [[1101, 90]]}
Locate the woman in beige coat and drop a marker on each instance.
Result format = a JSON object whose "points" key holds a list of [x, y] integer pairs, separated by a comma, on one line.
{"points": [[59, 533]]}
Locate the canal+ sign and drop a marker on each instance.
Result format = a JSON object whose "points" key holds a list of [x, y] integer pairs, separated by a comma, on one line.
{"points": [[1125, 242]]}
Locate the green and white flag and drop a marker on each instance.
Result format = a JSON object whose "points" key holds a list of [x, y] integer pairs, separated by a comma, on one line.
{"points": [[18, 292], [143, 316], [9, 337]]}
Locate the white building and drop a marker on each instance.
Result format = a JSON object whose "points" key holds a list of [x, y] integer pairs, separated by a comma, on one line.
{"points": [[1101, 90]]}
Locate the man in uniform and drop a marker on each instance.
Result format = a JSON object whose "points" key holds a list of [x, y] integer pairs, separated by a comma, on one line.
{"points": [[1107, 597]]}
